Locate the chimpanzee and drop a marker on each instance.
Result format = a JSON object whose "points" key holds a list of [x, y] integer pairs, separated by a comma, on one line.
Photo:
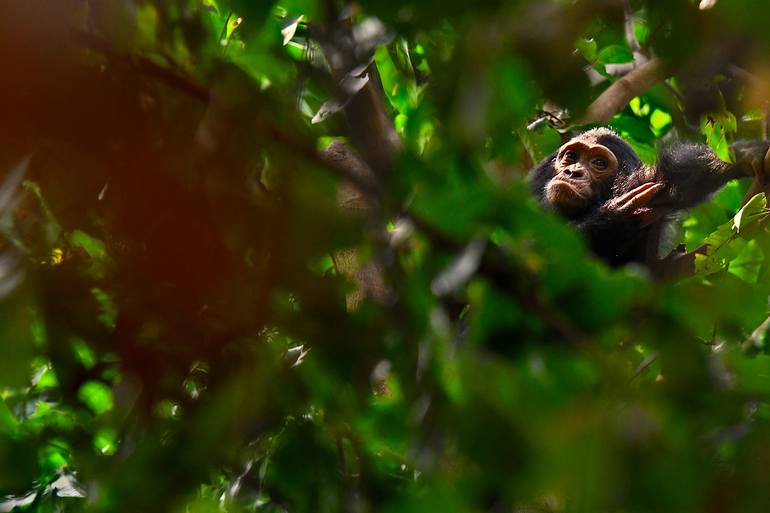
{"points": [[600, 185]]}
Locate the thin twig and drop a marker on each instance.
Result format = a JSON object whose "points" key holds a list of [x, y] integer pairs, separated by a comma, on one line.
{"points": [[223, 32], [644, 365], [754, 341], [629, 28], [671, 89]]}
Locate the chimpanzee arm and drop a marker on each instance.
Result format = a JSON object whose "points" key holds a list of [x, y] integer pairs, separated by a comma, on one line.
{"points": [[611, 235], [691, 172], [615, 229]]}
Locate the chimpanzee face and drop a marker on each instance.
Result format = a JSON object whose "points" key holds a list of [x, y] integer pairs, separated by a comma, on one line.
{"points": [[583, 168]]}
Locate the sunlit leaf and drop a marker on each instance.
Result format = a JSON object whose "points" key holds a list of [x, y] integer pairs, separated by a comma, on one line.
{"points": [[748, 217], [105, 442], [290, 28], [97, 396]]}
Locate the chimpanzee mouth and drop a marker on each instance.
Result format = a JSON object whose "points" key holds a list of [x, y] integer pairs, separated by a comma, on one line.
{"points": [[562, 191]]}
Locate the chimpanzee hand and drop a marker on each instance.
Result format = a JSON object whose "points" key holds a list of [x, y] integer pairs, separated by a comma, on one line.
{"points": [[635, 203]]}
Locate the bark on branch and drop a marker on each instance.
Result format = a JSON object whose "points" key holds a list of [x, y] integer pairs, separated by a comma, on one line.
{"points": [[615, 98]]}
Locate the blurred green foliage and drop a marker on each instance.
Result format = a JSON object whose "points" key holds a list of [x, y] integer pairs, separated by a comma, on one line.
{"points": [[177, 327]]}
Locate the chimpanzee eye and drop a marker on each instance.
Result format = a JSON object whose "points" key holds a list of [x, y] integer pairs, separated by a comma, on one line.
{"points": [[570, 155], [600, 163]]}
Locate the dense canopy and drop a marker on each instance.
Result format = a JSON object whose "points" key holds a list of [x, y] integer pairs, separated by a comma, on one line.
{"points": [[281, 256]]}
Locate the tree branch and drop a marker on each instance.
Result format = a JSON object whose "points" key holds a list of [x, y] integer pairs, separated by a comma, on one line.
{"points": [[373, 135], [615, 98], [344, 167], [144, 66]]}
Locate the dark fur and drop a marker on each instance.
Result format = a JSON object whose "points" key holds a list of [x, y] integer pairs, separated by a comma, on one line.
{"points": [[690, 173]]}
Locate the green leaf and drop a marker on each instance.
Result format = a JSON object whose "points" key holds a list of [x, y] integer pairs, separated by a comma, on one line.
{"points": [[53, 457], [747, 265], [8, 423], [614, 54], [106, 441], [97, 396], [746, 221], [45, 378], [96, 250], [540, 143], [660, 121], [640, 109], [83, 353], [93, 246], [588, 48], [717, 128], [400, 88], [728, 242], [108, 311], [714, 259]]}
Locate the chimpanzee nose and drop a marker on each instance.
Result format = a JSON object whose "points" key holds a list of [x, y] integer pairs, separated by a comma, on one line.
{"points": [[573, 172]]}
